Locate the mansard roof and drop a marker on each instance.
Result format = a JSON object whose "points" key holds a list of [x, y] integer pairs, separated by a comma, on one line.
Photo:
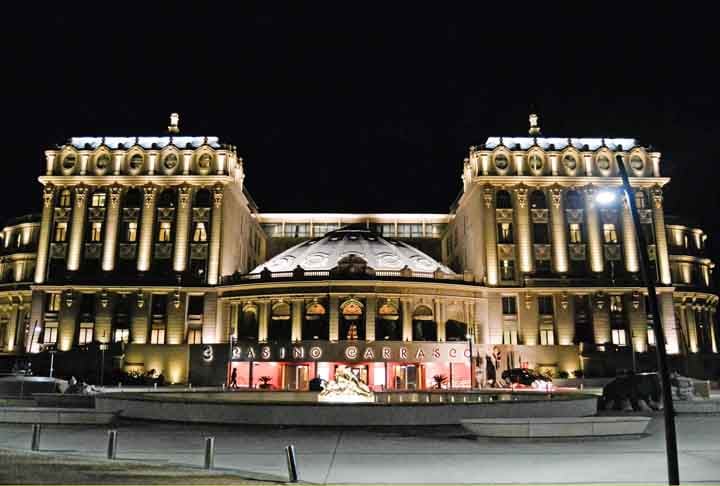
{"points": [[91, 143], [559, 143]]}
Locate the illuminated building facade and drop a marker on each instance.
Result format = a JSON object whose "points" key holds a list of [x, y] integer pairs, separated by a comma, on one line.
{"points": [[153, 246]]}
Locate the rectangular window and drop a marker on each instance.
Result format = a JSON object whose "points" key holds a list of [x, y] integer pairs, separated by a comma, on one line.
{"points": [[86, 333], [616, 303], [131, 232], [545, 305], [65, 199], [297, 230], [576, 233], [96, 231], [651, 336], [122, 336], [618, 337], [320, 229], [51, 332], [194, 336], [505, 233], [157, 336], [165, 230], [387, 229], [547, 337], [53, 302], [540, 234], [509, 306], [98, 200], [60, 232], [510, 336], [195, 305], [200, 233], [640, 200], [610, 233], [406, 230], [507, 270]]}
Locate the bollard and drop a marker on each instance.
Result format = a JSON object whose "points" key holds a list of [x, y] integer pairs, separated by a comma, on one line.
{"points": [[209, 452], [291, 464], [35, 441], [112, 444]]}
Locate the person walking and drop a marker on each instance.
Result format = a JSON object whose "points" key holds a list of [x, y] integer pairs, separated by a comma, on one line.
{"points": [[233, 378]]}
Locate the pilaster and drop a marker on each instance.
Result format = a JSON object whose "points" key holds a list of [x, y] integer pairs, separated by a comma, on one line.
{"points": [[45, 229], [523, 239], [558, 231], [111, 228], [594, 234], [216, 234], [182, 230], [370, 314], [77, 231], [491, 259], [661, 247], [147, 224]]}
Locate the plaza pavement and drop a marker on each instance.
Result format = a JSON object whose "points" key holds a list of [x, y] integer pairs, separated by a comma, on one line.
{"points": [[399, 455]]}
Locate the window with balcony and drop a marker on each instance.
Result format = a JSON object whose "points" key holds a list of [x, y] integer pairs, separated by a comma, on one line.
{"points": [[609, 233], [619, 337], [507, 270], [545, 305], [96, 231], [98, 200], [505, 233], [85, 336], [200, 233], [65, 198], [510, 336], [122, 336], [509, 306], [60, 232], [131, 232], [53, 303], [165, 231], [51, 333], [575, 233]]}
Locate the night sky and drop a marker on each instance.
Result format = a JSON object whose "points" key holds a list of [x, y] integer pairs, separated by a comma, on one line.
{"points": [[363, 107]]}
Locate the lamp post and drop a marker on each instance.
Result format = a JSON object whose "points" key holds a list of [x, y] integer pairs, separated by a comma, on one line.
{"points": [[607, 197]]}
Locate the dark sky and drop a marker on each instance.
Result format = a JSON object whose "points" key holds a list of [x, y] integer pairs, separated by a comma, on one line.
{"points": [[360, 106]]}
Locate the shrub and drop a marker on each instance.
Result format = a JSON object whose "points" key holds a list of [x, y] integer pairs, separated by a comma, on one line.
{"points": [[563, 375], [578, 373]]}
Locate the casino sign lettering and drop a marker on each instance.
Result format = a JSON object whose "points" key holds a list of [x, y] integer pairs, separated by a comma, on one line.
{"points": [[373, 352]]}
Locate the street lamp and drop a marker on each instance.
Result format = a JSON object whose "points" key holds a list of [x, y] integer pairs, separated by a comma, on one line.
{"points": [[607, 197]]}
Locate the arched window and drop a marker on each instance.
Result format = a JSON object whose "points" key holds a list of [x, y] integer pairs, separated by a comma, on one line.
{"points": [[573, 200], [538, 200], [503, 200], [203, 198], [424, 327], [248, 324], [315, 326], [351, 323], [280, 325], [133, 198], [388, 326]]}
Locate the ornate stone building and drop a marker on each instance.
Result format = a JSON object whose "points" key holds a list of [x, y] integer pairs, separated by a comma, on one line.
{"points": [[152, 246]]}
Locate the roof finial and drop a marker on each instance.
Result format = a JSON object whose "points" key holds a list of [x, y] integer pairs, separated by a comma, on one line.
{"points": [[534, 127], [174, 120]]}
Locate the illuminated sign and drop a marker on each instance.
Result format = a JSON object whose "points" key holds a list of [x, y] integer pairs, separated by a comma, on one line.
{"points": [[351, 351]]}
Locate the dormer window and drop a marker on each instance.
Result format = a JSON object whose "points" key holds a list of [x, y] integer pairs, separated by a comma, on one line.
{"points": [[535, 162], [501, 162], [636, 162], [102, 161], [204, 161], [570, 162], [136, 162], [603, 162], [69, 161], [170, 162]]}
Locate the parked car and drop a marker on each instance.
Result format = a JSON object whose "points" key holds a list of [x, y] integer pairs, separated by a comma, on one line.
{"points": [[524, 378]]}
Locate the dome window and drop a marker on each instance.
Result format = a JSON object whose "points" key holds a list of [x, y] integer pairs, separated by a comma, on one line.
{"points": [[102, 161], [204, 161], [636, 162], [501, 162], [351, 309], [535, 162], [314, 311], [69, 162], [570, 162], [171, 161], [603, 162], [136, 162], [281, 311]]}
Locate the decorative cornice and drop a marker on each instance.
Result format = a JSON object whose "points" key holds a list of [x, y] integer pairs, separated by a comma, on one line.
{"points": [[115, 191], [184, 195], [48, 195]]}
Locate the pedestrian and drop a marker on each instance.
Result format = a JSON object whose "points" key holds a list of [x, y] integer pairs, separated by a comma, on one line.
{"points": [[233, 378]]}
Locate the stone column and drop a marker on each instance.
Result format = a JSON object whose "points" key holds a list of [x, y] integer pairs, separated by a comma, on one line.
{"points": [[439, 312], [297, 314], [637, 316], [482, 329], [712, 323], [175, 329], [522, 231], [77, 231], [667, 316], [147, 226], [111, 228], [216, 235], [687, 313], [370, 314], [406, 320], [490, 236], [210, 305], [67, 327], [601, 318], [630, 250], [45, 231], [12, 328], [263, 321], [594, 234], [661, 248], [558, 232], [140, 325], [334, 318], [529, 325], [565, 319], [494, 318], [182, 231], [103, 317]]}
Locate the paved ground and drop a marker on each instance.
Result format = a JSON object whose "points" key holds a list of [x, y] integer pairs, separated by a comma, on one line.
{"points": [[417, 455]]}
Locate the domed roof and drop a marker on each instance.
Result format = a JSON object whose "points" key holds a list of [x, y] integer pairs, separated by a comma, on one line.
{"points": [[380, 253]]}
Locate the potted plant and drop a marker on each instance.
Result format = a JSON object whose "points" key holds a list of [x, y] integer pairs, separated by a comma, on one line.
{"points": [[265, 382], [440, 380]]}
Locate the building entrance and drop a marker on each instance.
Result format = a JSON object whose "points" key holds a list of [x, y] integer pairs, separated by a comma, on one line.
{"points": [[297, 377]]}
